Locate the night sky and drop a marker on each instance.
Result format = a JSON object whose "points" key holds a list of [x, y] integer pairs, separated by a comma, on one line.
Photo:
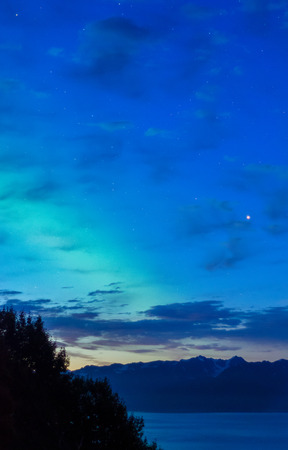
{"points": [[144, 175]]}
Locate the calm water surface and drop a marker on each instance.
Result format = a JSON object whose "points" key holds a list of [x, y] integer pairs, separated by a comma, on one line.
{"points": [[218, 431]]}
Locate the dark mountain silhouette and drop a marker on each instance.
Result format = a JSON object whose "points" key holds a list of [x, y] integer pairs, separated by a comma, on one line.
{"points": [[198, 385]]}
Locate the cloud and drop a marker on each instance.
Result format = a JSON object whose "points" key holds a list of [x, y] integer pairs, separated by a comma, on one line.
{"points": [[228, 239], [53, 311], [277, 206], [258, 15], [28, 303], [108, 53], [210, 215], [164, 325], [268, 325], [106, 291], [41, 301], [196, 312], [38, 306], [192, 326], [210, 130], [226, 254], [43, 191], [142, 351], [277, 229], [116, 125], [92, 149], [201, 11], [268, 184], [175, 326], [8, 85], [114, 283], [213, 346], [85, 315], [4, 292], [151, 132], [258, 178], [55, 51], [115, 37], [31, 190]]}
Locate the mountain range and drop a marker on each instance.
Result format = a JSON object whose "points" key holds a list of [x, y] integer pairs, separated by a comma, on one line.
{"points": [[198, 385]]}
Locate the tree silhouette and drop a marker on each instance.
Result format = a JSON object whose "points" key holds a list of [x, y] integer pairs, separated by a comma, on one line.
{"points": [[43, 407]]}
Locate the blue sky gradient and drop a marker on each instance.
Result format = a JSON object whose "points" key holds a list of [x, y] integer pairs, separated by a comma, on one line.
{"points": [[143, 187]]}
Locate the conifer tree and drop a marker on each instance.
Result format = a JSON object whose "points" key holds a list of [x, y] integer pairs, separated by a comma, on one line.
{"points": [[43, 407]]}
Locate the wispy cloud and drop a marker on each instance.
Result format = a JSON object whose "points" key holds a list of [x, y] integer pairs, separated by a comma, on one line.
{"points": [[226, 236], [93, 149], [107, 54], [5, 292], [227, 254], [207, 216], [106, 291]]}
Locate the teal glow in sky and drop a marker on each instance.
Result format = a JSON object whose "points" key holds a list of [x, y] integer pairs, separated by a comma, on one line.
{"points": [[143, 185]]}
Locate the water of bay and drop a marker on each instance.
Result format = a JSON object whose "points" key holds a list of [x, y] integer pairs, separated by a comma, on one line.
{"points": [[223, 431]]}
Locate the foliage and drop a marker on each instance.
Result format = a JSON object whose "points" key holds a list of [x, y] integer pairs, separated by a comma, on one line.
{"points": [[42, 407]]}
